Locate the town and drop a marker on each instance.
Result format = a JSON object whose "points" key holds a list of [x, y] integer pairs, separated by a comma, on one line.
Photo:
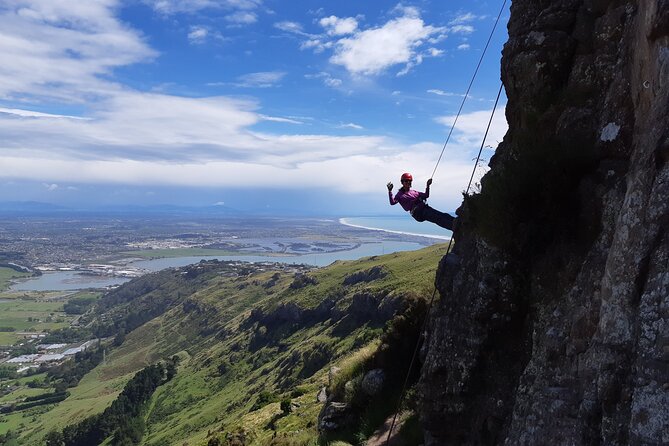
{"points": [[106, 245]]}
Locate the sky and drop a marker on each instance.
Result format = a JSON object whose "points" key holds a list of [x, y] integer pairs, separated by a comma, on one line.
{"points": [[305, 107]]}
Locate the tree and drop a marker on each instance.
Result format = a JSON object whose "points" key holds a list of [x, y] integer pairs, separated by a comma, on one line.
{"points": [[54, 438], [286, 406]]}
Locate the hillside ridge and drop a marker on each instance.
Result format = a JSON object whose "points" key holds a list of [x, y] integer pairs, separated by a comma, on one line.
{"points": [[262, 350]]}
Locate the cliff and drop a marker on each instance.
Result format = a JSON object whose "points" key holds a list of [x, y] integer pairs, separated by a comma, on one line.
{"points": [[553, 322]]}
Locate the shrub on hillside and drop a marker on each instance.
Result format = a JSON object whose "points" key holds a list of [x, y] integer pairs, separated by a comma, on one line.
{"points": [[286, 406], [238, 438], [223, 367], [67, 335], [264, 398], [78, 305], [7, 372]]}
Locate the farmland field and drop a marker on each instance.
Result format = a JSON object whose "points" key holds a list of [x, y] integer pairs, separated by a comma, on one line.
{"points": [[7, 275], [33, 312]]}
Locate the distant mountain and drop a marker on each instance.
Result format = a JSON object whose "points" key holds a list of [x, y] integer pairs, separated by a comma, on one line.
{"points": [[30, 207], [166, 209], [46, 209], [40, 208]]}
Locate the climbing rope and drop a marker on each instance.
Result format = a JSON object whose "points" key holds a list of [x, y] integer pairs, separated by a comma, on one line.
{"points": [[471, 82], [429, 305], [450, 243]]}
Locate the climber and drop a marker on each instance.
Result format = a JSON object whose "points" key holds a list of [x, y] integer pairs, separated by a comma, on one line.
{"points": [[414, 202]]}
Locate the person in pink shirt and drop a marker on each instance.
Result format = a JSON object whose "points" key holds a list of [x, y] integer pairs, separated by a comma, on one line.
{"points": [[413, 202]]}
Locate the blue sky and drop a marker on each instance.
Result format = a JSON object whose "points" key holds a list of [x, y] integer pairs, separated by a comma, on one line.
{"points": [[304, 106]]}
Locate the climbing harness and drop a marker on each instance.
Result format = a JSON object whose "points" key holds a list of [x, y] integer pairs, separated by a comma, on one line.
{"points": [[450, 243]]}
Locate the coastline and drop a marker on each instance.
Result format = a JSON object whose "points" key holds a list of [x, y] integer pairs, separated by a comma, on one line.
{"points": [[344, 222]]}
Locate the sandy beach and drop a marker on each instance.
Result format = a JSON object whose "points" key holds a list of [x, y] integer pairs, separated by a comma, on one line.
{"points": [[346, 221]]}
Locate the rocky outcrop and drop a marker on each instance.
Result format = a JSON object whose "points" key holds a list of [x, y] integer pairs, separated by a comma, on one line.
{"points": [[363, 306], [302, 280], [374, 307], [334, 416], [553, 323], [372, 382], [369, 275]]}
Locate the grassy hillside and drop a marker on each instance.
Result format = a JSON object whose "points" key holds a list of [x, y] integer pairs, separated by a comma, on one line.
{"points": [[255, 346]]}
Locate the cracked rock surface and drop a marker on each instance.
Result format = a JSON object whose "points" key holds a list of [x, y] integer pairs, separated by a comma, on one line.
{"points": [[553, 321]]}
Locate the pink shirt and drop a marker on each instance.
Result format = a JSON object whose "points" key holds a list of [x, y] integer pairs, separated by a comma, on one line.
{"points": [[407, 199]]}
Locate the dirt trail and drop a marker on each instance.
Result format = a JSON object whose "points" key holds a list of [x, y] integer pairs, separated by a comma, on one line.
{"points": [[380, 437]]}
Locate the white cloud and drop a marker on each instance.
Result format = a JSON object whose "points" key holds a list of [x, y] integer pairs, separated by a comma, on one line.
{"points": [[152, 139], [34, 114], [279, 119], [61, 50], [145, 126], [242, 18], [262, 79], [407, 11], [351, 125], [438, 37], [50, 187], [332, 82], [463, 18], [336, 26], [470, 127], [327, 79], [198, 34], [444, 93], [316, 44], [67, 51], [463, 46], [374, 50], [462, 29], [169, 7], [371, 171], [291, 27]]}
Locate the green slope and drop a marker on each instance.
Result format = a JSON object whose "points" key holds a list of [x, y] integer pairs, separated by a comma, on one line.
{"points": [[248, 337]]}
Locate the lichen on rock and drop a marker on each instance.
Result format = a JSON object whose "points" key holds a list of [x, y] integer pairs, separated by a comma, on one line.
{"points": [[553, 323]]}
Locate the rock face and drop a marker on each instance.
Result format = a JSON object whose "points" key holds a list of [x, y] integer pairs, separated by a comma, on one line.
{"points": [[373, 381], [333, 416], [370, 275], [553, 323]]}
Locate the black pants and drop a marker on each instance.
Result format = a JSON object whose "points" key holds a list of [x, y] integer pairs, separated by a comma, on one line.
{"points": [[425, 212]]}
